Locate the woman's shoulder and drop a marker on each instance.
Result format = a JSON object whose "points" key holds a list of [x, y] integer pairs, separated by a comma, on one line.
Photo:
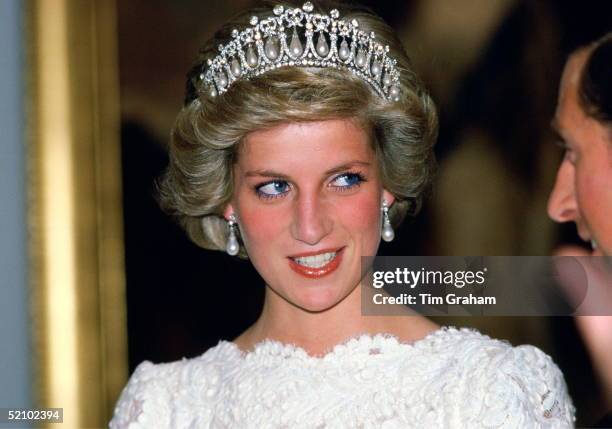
{"points": [[155, 392], [505, 386]]}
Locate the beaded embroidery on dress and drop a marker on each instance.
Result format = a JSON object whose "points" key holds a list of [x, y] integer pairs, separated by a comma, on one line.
{"points": [[453, 378]]}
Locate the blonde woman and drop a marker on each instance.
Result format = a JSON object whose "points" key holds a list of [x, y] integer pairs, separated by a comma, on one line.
{"points": [[305, 138]]}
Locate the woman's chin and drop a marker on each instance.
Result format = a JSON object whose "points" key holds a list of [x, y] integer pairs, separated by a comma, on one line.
{"points": [[317, 301]]}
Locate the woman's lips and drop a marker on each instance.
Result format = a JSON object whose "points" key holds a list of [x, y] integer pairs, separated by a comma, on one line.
{"points": [[315, 273]]}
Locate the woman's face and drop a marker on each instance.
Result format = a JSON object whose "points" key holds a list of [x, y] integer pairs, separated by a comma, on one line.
{"points": [[583, 189], [307, 197]]}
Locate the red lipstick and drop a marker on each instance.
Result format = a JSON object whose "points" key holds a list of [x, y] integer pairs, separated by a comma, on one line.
{"points": [[315, 273]]}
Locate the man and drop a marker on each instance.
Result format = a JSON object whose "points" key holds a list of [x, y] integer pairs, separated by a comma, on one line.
{"points": [[583, 191]]}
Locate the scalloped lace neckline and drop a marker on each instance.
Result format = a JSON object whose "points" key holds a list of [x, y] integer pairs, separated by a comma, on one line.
{"points": [[360, 344]]}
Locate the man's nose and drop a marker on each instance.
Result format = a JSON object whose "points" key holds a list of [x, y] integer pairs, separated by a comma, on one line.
{"points": [[311, 219], [562, 206]]}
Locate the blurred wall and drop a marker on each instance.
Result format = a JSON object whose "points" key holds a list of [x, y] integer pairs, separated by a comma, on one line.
{"points": [[15, 368]]}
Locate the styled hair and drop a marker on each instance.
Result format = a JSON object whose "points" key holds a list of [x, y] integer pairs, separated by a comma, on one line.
{"points": [[198, 182], [595, 88]]}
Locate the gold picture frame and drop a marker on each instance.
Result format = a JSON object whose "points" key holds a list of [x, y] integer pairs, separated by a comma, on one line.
{"points": [[75, 212]]}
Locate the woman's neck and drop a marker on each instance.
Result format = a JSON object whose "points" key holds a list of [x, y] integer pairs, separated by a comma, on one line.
{"points": [[319, 332]]}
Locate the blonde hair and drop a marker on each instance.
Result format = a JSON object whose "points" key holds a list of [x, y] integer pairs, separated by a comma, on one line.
{"points": [[198, 182]]}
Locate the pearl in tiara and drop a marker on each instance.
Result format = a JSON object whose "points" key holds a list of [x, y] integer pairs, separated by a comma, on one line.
{"points": [[274, 42]]}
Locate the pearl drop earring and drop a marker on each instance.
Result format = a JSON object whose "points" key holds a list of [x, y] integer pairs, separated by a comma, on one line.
{"points": [[387, 230], [232, 247]]}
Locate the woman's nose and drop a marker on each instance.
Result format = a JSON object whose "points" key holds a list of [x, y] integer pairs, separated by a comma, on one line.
{"points": [[311, 220], [562, 206]]}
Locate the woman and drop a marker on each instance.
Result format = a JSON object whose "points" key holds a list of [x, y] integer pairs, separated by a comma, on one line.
{"points": [[304, 138]]}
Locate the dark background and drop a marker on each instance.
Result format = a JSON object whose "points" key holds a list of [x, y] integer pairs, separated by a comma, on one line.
{"points": [[493, 67]]}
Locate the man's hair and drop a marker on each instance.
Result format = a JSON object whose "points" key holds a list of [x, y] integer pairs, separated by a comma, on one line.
{"points": [[596, 81]]}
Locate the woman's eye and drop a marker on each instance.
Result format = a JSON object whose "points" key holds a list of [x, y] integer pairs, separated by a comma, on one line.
{"points": [[273, 189], [347, 180]]}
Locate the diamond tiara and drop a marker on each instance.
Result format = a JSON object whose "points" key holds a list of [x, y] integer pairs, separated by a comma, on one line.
{"points": [[265, 46]]}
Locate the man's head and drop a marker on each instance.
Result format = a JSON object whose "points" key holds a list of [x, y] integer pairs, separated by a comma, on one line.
{"points": [[583, 189]]}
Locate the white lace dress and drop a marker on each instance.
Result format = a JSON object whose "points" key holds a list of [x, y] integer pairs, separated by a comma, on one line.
{"points": [[453, 378]]}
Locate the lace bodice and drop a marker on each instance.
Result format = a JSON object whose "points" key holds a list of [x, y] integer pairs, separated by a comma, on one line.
{"points": [[453, 378]]}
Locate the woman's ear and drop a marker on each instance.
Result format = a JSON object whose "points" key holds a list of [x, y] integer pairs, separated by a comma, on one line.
{"points": [[228, 211], [388, 197]]}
